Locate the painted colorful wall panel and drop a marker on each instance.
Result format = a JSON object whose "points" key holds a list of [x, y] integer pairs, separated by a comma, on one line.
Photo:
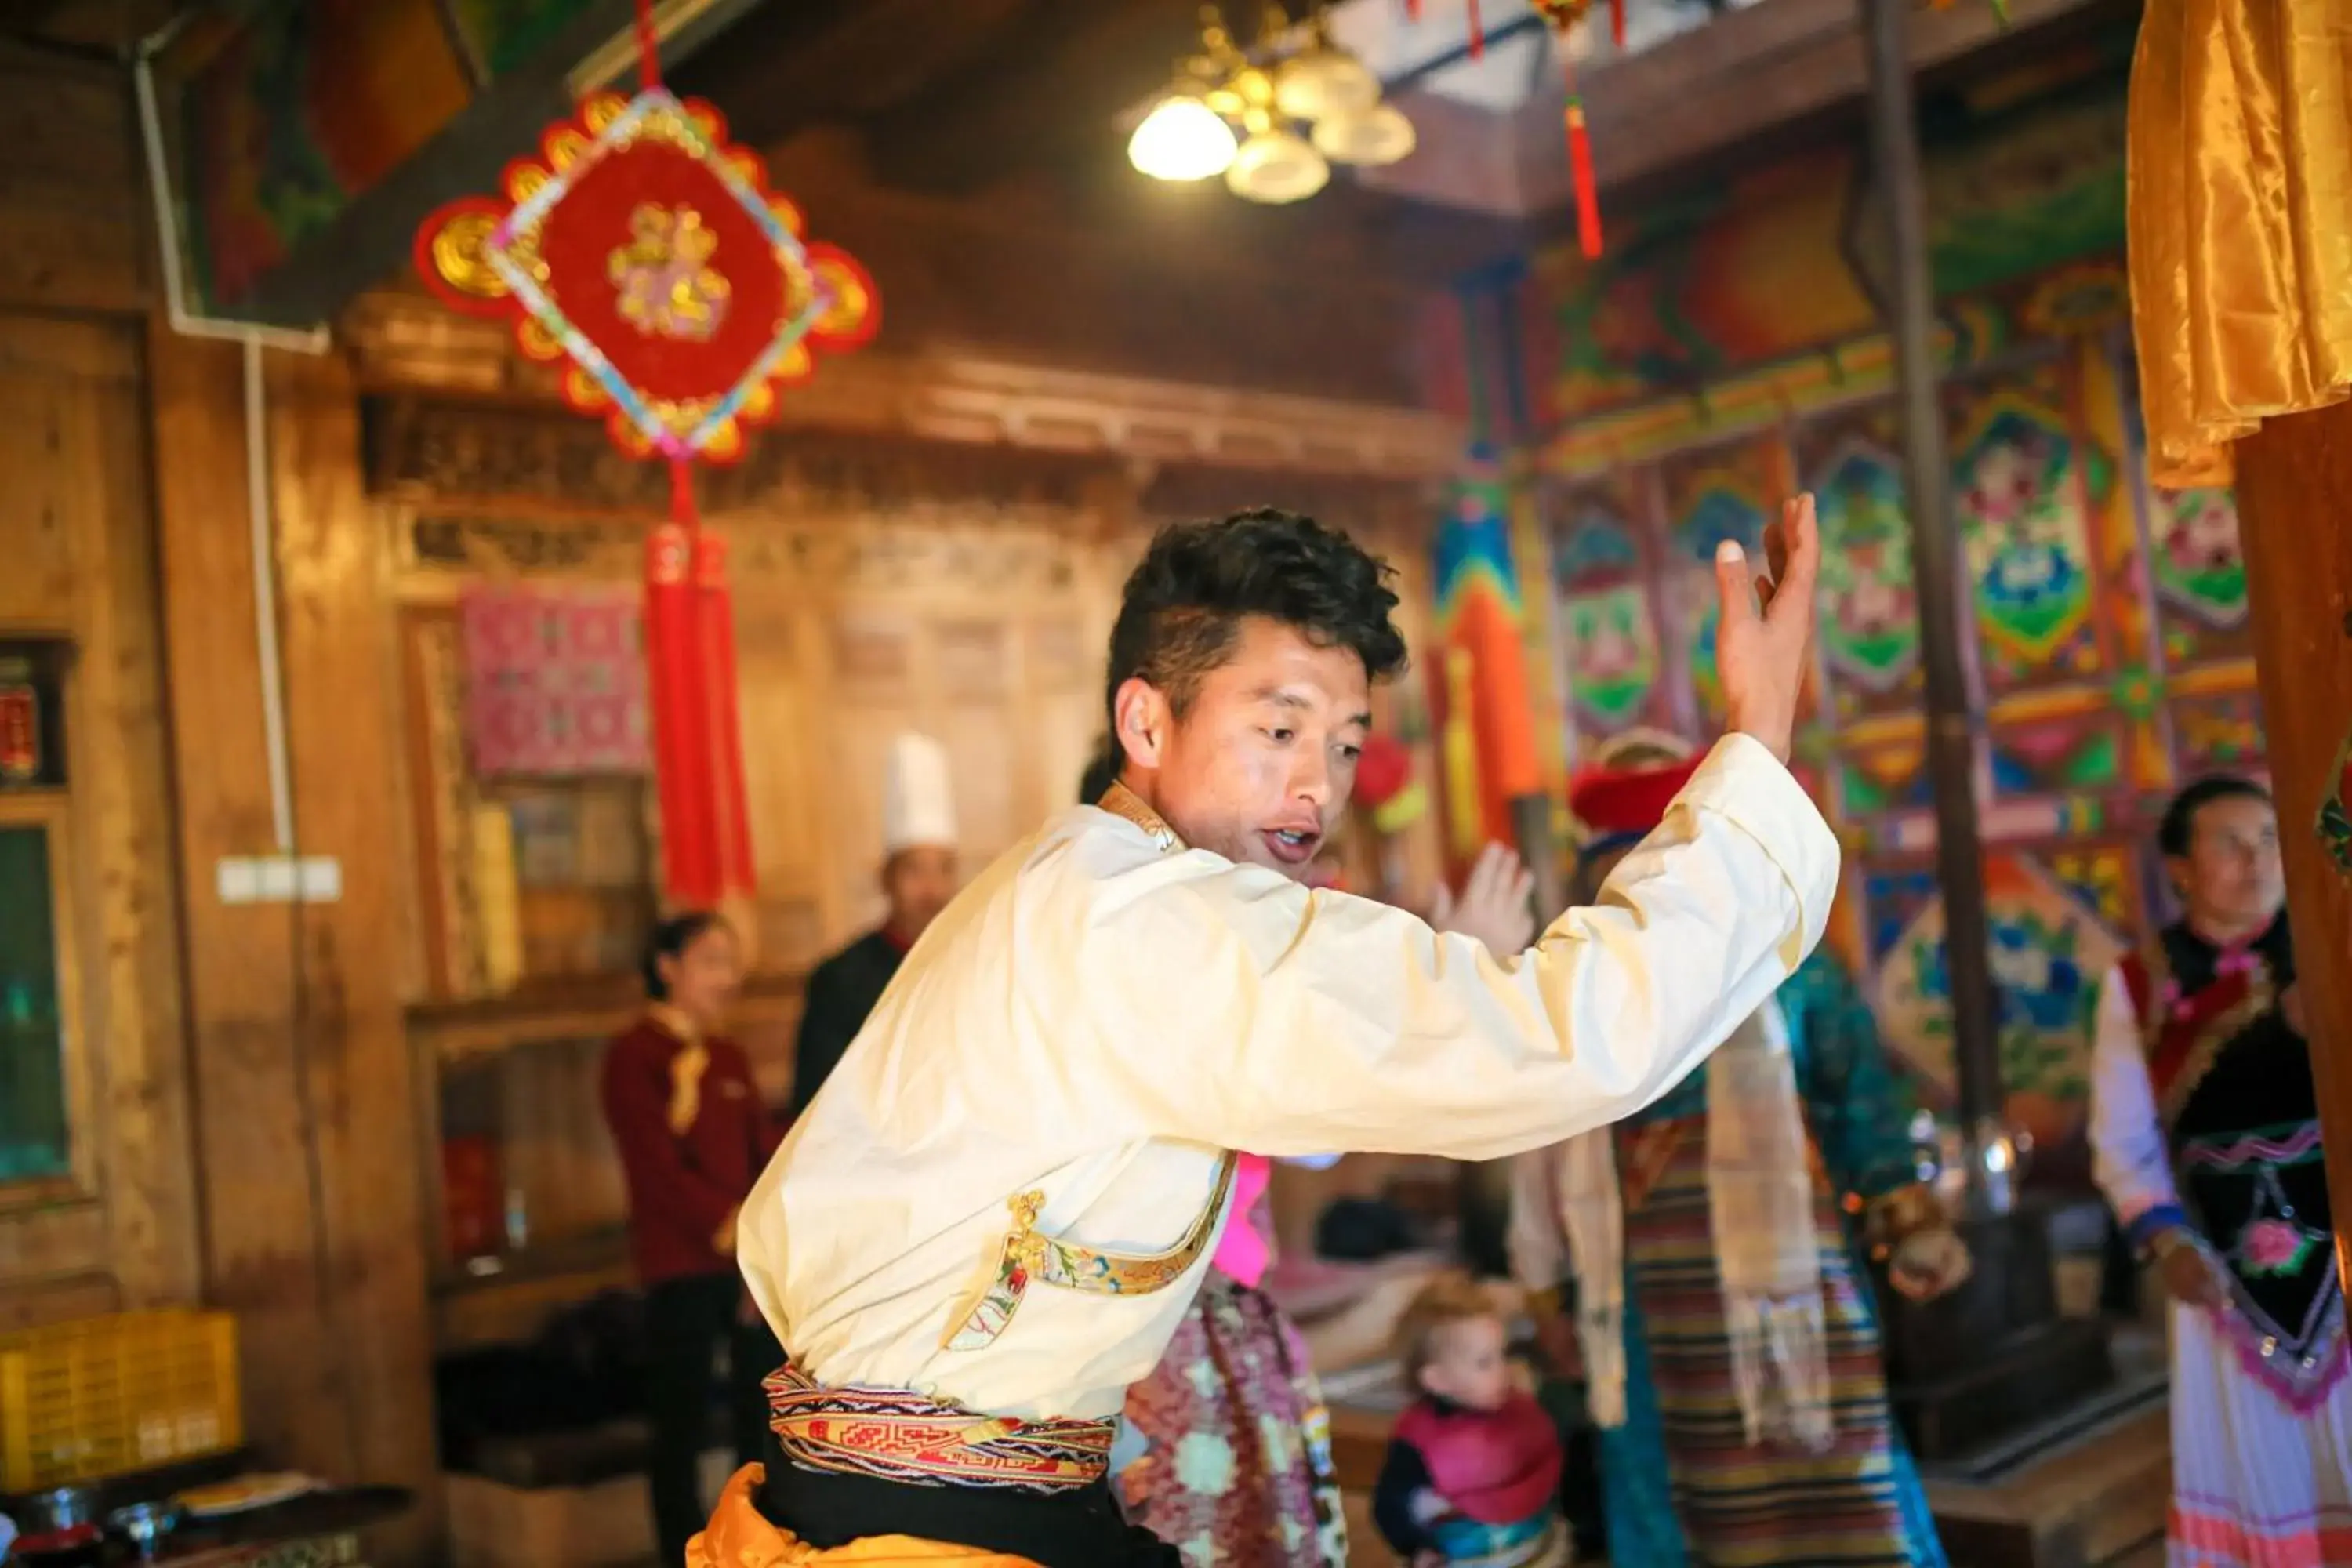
{"points": [[2050, 949], [1869, 637], [2199, 573], [1613, 659], [292, 111], [2218, 732], [2023, 488], [2021, 175], [1728, 493], [2076, 753]]}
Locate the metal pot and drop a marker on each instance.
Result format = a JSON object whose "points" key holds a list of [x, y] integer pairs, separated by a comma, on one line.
{"points": [[145, 1525], [54, 1522]]}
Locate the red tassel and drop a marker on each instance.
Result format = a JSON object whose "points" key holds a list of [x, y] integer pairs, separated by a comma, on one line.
{"points": [[1617, 22], [1477, 34], [1412, 10], [681, 754], [1588, 194], [723, 719]]}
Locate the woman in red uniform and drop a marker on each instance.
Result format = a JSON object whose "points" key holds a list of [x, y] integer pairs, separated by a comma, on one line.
{"points": [[693, 1136]]}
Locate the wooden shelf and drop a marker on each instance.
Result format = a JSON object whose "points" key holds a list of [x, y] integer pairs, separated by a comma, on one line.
{"points": [[592, 1008], [471, 1311]]}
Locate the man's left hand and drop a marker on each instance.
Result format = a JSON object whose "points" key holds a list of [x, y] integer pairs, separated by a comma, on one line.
{"points": [[1929, 1263]]}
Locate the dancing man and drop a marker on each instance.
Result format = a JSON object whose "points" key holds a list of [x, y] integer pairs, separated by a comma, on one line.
{"points": [[991, 1222]]}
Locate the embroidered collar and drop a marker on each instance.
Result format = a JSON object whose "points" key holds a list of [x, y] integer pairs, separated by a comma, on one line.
{"points": [[673, 1022], [1125, 804]]}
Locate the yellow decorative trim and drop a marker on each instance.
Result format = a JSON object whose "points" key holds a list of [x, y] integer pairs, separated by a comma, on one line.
{"points": [[1029, 1257], [1125, 804]]}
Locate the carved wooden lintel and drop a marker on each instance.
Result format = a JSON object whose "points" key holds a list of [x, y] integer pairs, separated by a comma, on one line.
{"points": [[441, 452], [406, 346], [436, 552]]}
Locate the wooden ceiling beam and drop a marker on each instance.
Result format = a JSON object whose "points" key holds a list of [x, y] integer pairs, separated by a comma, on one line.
{"points": [[1743, 76], [788, 66], [1748, 78], [1054, 80]]}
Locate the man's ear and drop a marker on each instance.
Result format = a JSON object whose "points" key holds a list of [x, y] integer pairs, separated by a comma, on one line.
{"points": [[1141, 716]]}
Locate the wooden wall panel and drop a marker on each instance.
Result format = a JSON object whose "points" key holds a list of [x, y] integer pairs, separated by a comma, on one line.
{"points": [[72, 228], [306, 1127], [75, 512]]}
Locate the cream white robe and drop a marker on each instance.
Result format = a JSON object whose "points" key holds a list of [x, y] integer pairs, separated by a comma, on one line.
{"points": [[1100, 1016]]}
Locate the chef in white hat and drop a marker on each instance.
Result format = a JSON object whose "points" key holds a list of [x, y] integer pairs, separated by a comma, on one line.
{"points": [[919, 877]]}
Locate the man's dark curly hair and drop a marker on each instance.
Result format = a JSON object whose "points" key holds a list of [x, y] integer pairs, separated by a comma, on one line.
{"points": [[1185, 603]]}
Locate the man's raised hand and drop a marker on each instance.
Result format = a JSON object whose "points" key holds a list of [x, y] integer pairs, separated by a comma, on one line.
{"points": [[1762, 655]]}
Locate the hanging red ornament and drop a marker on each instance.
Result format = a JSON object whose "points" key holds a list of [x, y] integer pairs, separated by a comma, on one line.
{"points": [[1564, 18], [1477, 32], [1617, 22], [646, 249]]}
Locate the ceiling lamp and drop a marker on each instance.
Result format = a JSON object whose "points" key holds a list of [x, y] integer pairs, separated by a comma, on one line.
{"points": [[1298, 102], [1183, 138], [1323, 80], [1373, 139], [1276, 165]]}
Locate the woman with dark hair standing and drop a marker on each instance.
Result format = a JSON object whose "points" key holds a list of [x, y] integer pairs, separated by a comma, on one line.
{"points": [[693, 1137]]}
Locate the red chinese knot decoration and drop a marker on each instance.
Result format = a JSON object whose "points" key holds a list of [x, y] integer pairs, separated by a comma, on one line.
{"points": [[645, 254]]}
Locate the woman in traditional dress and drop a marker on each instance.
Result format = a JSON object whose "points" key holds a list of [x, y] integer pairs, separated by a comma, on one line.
{"points": [[1722, 1313], [2207, 1135], [1225, 1452]]}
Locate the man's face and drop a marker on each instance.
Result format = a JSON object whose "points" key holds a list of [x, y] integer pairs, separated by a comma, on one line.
{"points": [[1261, 764], [2230, 879], [919, 882]]}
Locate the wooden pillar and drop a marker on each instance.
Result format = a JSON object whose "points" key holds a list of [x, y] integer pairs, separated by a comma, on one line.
{"points": [[1954, 713], [2294, 506], [306, 1139]]}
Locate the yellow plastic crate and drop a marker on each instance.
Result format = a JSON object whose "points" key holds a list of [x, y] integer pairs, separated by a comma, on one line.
{"points": [[104, 1396]]}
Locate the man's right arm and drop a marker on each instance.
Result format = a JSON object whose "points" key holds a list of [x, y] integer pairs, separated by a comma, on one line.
{"points": [[1237, 1010]]}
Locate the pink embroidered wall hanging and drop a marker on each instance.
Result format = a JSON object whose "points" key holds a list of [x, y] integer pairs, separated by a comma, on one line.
{"points": [[555, 682]]}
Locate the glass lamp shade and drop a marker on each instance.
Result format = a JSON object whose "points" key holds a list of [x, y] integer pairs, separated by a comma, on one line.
{"points": [[1371, 139], [1324, 81], [1182, 138], [1276, 166]]}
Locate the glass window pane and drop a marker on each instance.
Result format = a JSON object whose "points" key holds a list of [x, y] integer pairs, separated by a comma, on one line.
{"points": [[33, 1134]]}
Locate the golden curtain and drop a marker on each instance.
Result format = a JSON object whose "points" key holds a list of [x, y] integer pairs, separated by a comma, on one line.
{"points": [[2241, 221]]}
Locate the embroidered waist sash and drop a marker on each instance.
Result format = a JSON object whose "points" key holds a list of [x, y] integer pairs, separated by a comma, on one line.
{"points": [[901, 1435]]}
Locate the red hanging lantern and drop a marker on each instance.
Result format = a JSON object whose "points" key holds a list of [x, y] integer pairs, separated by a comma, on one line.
{"points": [[646, 249], [1565, 16]]}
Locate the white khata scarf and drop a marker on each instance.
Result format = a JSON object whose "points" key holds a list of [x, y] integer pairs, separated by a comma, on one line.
{"points": [[1759, 1189]]}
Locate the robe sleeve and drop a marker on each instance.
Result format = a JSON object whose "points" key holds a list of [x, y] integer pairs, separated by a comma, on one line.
{"points": [[1231, 1007], [1857, 1100], [2131, 1158]]}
